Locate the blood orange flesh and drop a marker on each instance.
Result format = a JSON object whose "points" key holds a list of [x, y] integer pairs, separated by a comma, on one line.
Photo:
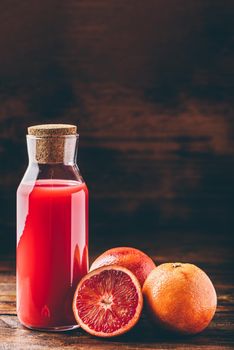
{"points": [[108, 301]]}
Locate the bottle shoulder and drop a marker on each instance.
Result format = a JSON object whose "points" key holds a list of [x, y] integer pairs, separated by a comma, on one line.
{"points": [[35, 172]]}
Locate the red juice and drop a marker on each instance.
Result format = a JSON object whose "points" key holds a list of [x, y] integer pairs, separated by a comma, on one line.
{"points": [[52, 250]]}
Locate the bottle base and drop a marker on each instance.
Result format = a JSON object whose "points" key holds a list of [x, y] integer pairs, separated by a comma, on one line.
{"points": [[53, 329]]}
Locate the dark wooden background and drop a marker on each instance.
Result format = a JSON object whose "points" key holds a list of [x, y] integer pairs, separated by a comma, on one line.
{"points": [[150, 85]]}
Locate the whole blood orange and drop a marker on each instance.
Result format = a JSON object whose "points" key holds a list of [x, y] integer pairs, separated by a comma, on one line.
{"points": [[133, 259], [180, 297], [108, 301]]}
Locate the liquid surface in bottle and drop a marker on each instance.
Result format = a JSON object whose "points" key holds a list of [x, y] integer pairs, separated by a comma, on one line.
{"points": [[52, 250]]}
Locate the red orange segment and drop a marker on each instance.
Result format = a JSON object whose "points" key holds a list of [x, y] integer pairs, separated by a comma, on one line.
{"points": [[108, 301]]}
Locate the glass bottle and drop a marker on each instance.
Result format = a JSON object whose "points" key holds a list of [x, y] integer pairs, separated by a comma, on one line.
{"points": [[52, 229]]}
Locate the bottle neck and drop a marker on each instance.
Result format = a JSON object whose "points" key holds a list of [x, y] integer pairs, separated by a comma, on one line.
{"points": [[52, 149]]}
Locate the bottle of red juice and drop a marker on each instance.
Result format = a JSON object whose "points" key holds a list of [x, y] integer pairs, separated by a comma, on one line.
{"points": [[52, 229]]}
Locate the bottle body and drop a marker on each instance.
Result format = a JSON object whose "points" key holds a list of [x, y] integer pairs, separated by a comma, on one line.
{"points": [[52, 244]]}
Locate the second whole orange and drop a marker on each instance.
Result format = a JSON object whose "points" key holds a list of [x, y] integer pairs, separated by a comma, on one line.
{"points": [[180, 297]]}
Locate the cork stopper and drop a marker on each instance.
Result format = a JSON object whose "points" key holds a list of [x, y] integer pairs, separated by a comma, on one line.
{"points": [[52, 130], [51, 144]]}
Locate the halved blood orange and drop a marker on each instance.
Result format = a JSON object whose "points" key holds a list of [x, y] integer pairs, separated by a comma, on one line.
{"points": [[108, 301]]}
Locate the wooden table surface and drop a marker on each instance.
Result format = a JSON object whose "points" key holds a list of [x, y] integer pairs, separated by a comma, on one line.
{"points": [[213, 255]]}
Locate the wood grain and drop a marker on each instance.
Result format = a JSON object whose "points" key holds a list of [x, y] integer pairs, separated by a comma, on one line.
{"points": [[151, 89], [219, 335], [154, 169]]}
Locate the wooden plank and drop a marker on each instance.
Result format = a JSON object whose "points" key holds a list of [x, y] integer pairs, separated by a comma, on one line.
{"points": [[171, 48], [215, 261], [117, 117], [218, 336]]}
